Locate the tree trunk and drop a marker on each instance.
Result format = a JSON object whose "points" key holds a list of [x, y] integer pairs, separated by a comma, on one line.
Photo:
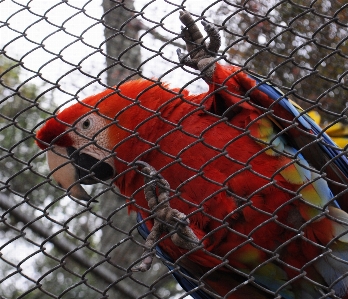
{"points": [[121, 35], [123, 59]]}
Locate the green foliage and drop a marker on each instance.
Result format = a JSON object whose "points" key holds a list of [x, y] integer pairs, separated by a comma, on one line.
{"points": [[22, 173], [18, 118]]}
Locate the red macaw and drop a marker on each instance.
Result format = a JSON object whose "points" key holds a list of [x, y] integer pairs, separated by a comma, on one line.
{"points": [[256, 183]]}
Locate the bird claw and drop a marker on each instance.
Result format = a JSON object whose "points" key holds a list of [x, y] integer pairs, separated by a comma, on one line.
{"points": [[166, 218], [185, 59], [201, 56], [146, 262]]}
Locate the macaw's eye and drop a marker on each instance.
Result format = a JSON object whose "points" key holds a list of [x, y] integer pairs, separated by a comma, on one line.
{"points": [[86, 124]]}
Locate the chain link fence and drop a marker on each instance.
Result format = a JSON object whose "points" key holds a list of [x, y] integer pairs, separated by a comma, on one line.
{"points": [[260, 203]]}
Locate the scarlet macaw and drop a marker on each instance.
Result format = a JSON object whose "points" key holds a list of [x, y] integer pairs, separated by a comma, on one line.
{"points": [[254, 191]]}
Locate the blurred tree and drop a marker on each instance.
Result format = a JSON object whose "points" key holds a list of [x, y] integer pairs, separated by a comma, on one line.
{"points": [[18, 116], [121, 32], [21, 189], [301, 45]]}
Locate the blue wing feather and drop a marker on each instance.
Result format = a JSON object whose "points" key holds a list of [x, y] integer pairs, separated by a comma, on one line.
{"points": [[275, 94], [329, 147]]}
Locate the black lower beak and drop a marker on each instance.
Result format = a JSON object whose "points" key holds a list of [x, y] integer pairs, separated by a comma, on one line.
{"points": [[89, 169]]}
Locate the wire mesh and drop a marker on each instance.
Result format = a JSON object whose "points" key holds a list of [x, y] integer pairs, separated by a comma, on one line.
{"points": [[237, 192]]}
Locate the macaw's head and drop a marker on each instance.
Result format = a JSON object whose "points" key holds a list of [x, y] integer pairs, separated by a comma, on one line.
{"points": [[80, 140]]}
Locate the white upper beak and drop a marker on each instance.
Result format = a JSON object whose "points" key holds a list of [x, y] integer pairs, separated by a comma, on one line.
{"points": [[64, 172]]}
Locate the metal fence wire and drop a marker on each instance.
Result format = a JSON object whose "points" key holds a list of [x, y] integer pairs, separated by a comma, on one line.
{"points": [[131, 169]]}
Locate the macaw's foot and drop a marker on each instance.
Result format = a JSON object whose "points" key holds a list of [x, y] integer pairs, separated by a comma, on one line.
{"points": [[166, 219], [201, 55]]}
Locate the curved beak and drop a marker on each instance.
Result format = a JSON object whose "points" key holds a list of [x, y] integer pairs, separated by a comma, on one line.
{"points": [[65, 173]]}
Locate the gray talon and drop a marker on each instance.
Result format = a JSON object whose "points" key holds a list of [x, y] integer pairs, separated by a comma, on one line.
{"points": [[166, 218], [201, 54]]}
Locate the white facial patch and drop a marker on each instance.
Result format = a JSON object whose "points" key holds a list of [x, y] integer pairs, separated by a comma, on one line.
{"points": [[91, 137]]}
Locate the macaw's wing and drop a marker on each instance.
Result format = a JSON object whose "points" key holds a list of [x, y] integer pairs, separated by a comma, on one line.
{"points": [[197, 280], [314, 144], [300, 131]]}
